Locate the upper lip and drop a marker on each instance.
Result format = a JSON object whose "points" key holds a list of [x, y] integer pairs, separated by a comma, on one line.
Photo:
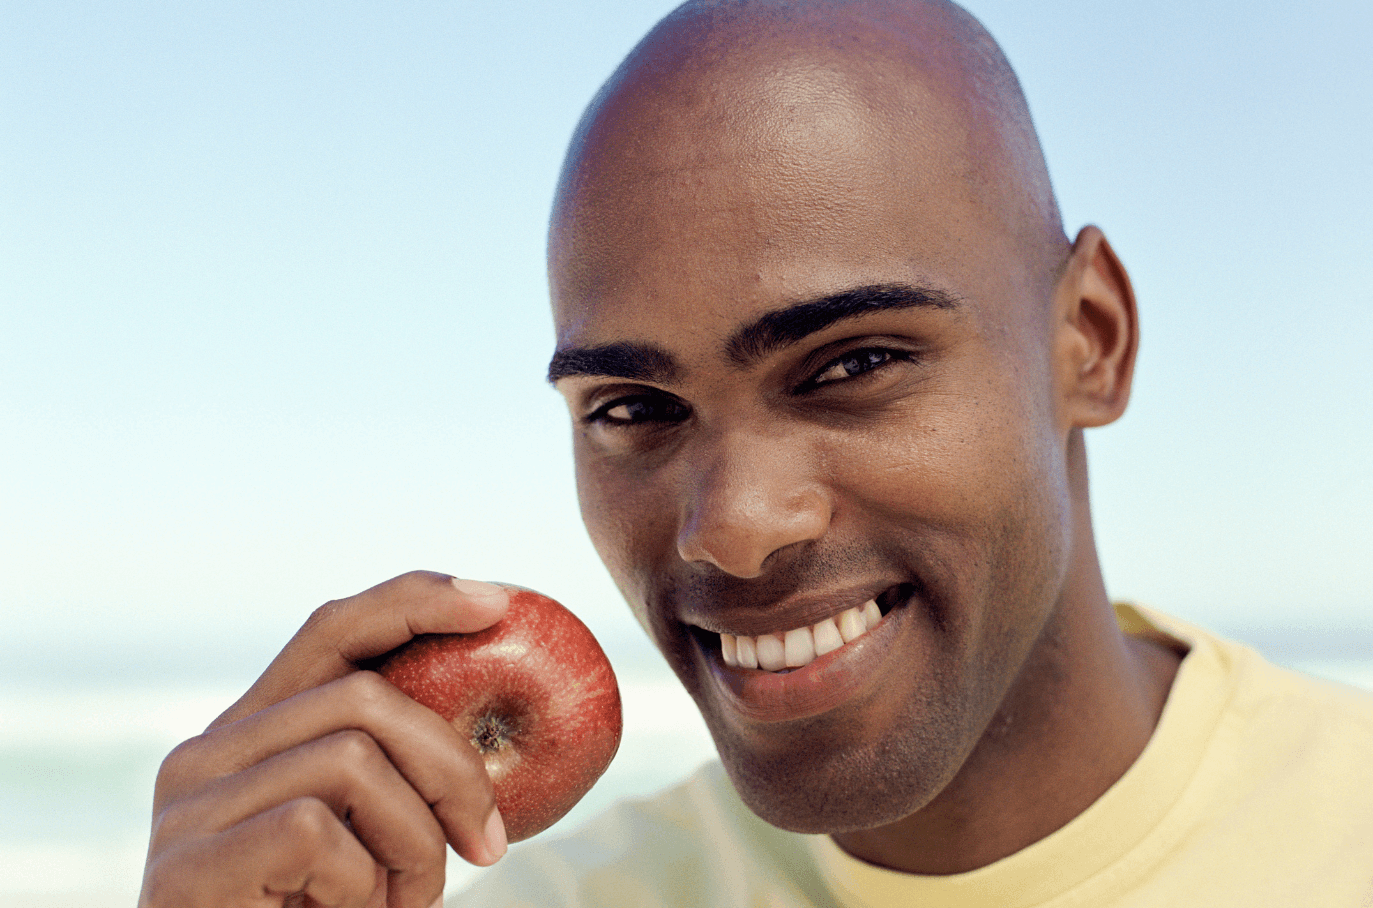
{"points": [[790, 612]]}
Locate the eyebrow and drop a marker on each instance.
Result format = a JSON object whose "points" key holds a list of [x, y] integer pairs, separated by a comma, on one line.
{"points": [[766, 335], [630, 361], [784, 327]]}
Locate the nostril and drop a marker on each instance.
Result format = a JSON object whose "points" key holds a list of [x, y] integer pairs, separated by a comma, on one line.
{"points": [[739, 530], [738, 550]]}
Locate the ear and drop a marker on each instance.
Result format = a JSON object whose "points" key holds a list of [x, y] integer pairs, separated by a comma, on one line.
{"points": [[1098, 333]]}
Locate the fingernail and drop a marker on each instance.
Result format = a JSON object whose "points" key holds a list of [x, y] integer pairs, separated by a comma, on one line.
{"points": [[495, 835], [478, 590]]}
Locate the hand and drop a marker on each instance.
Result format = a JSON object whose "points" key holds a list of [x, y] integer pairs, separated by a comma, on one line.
{"points": [[324, 785]]}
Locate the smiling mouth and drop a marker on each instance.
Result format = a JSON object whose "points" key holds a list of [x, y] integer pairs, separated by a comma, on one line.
{"points": [[783, 651]]}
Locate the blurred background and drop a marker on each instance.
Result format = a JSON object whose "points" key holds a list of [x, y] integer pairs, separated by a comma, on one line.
{"points": [[273, 329]]}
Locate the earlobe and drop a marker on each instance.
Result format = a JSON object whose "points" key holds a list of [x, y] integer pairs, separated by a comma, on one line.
{"points": [[1098, 333]]}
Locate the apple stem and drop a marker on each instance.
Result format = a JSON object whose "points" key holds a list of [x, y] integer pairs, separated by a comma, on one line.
{"points": [[491, 732]]}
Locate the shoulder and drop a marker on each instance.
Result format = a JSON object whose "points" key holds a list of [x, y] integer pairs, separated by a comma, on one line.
{"points": [[1301, 727], [1286, 760], [1261, 778], [1259, 692], [693, 844]]}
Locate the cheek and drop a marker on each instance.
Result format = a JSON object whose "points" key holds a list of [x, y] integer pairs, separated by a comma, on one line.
{"points": [[1001, 471], [951, 462], [976, 476], [625, 523]]}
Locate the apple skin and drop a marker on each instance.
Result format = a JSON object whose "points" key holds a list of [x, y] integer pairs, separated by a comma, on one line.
{"points": [[535, 695]]}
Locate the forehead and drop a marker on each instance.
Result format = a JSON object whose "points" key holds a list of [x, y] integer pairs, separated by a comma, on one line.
{"points": [[704, 202]]}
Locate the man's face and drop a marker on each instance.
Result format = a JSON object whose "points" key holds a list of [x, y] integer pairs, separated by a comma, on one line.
{"points": [[807, 368]]}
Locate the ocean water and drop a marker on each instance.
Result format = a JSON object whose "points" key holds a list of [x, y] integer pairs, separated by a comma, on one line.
{"points": [[77, 764]]}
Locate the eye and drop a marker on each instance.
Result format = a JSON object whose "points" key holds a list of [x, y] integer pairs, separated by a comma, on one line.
{"points": [[638, 409], [853, 364]]}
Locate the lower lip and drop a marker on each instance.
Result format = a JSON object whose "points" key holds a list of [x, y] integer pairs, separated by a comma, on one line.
{"points": [[826, 683]]}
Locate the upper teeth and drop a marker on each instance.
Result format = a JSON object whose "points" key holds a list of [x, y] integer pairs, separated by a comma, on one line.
{"points": [[795, 648]]}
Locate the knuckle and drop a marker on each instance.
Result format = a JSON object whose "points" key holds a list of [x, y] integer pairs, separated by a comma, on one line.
{"points": [[324, 616], [432, 848], [424, 853], [420, 585], [372, 700], [422, 579], [309, 823], [180, 770], [174, 821], [367, 690], [410, 585], [355, 752], [175, 764]]}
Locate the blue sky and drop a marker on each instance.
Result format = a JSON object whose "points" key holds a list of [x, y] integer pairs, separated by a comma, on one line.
{"points": [[273, 325]]}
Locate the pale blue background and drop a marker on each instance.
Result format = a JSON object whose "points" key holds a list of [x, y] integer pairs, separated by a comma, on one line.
{"points": [[274, 318], [273, 327]]}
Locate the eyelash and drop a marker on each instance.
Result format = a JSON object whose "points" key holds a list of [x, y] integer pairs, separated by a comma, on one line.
{"points": [[602, 415], [861, 357], [863, 360]]}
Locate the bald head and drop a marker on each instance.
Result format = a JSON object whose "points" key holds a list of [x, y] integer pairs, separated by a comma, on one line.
{"points": [[887, 105], [822, 337]]}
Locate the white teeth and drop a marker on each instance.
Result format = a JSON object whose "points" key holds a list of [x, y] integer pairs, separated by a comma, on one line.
{"points": [[748, 653], [827, 637], [772, 655], [799, 647], [729, 649], [851, 625]]}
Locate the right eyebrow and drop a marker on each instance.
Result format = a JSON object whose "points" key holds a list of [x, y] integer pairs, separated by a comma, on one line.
{"points": [[630, 361], [781, 328]]}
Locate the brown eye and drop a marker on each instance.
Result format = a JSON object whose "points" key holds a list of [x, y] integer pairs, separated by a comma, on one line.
{"points": [[638, 409], [851, 364]]}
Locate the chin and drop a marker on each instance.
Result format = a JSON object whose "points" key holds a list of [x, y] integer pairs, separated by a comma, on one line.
{"points": [[839, 787]]}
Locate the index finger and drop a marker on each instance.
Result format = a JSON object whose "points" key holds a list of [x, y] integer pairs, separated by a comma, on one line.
{"points": [[341, 635]]}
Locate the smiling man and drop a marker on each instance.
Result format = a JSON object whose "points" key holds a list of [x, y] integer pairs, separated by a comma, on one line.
{"points": [[829, 357]]}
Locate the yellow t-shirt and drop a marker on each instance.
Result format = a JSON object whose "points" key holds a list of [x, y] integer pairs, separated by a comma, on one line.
{"points": [[1255, 790]]}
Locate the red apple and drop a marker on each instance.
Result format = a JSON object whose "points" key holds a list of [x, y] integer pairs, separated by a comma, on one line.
{"points": [[535, 695]]}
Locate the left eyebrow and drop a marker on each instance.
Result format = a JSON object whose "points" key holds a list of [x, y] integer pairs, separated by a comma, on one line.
{"points": [[784, 327], [630, 361]]}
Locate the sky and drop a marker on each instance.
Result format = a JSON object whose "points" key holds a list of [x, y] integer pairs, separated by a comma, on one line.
{"points": [[273, 315]]}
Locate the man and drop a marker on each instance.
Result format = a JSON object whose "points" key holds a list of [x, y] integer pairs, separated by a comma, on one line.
{"points": [[829, 357]]}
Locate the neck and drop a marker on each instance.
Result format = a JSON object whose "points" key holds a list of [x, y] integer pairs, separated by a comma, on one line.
{"points": [[1077, 717]]}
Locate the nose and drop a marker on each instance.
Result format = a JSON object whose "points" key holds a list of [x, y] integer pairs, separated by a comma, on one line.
{"points": [[747, 498]]}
